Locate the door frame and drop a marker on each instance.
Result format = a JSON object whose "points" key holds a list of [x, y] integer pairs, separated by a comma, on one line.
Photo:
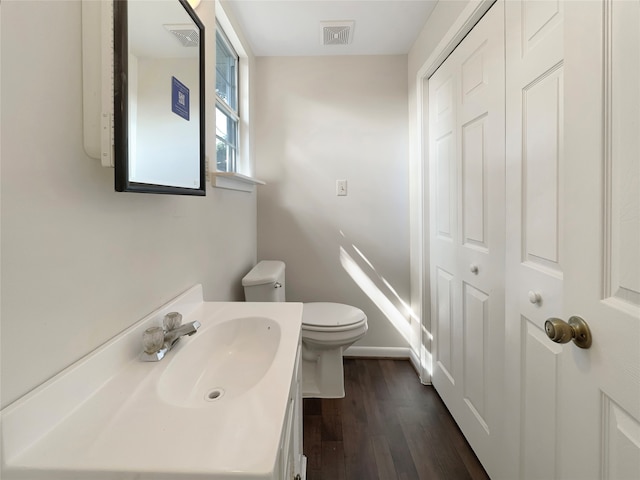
{"points": [[465, 22]]}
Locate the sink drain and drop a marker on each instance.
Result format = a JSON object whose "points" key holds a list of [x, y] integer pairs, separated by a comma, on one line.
{"points": [[213, 395]]}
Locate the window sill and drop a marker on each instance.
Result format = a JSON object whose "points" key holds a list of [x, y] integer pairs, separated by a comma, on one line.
{"points": [[234, 181]]}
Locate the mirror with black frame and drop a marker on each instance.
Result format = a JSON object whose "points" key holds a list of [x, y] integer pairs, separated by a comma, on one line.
{"points": [[159, 132]]}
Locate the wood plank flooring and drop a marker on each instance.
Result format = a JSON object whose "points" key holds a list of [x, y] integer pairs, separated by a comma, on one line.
{"points": [[388, 427]]}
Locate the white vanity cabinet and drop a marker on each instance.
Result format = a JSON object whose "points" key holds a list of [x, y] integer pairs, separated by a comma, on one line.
{"points": [[291, 463]]}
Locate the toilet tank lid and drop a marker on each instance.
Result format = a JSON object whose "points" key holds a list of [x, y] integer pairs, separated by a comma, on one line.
{"points": [[266, 271]]}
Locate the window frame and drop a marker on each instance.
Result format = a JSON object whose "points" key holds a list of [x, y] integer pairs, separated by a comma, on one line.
{"points": [[226, 109]]}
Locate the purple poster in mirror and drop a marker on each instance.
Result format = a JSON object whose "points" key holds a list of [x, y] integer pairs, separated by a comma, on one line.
{"points": [[179, 98]]}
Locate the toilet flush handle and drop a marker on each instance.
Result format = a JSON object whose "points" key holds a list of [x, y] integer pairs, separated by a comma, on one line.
{"points": [[277, 285]]}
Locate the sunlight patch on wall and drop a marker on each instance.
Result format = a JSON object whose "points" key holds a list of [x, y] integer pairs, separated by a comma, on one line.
{"points": [[397, 319], [386, 298], [408, 310]]}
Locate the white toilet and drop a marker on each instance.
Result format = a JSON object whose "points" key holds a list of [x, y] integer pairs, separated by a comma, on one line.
{"points": [[327, 329]]}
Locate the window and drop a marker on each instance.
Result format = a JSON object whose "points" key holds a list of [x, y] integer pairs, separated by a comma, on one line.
{"points": [[234, 160], [227, 118]]}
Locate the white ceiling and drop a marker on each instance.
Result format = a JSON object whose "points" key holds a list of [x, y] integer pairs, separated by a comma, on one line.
{"points": [[292, 27]]}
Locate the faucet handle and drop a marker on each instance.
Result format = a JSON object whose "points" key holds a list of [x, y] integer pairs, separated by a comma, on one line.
{"points": [[153, 339], [172, 321]]}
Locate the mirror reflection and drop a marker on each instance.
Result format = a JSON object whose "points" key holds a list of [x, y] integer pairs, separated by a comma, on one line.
{"points": [[164, 146]]}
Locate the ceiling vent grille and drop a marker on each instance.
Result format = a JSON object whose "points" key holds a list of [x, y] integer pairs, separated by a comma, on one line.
{"points": [[187, 34], [337, 33]]}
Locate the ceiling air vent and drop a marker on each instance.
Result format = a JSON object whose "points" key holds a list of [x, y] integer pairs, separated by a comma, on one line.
{"points": [[187, 34], [337, 33]]}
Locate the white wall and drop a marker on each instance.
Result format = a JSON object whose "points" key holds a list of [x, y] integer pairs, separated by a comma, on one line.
{"points": [[80, 262], [167, 145], [319, 119]]}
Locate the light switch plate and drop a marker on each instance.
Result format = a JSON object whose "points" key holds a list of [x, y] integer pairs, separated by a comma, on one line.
{"points": [[341, 188]]}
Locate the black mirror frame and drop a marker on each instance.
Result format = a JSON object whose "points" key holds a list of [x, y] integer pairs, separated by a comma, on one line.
{"points": [[121, 102]]}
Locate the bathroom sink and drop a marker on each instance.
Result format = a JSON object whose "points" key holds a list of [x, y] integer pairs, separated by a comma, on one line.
{"points": [[221, 363], [214, 407]]}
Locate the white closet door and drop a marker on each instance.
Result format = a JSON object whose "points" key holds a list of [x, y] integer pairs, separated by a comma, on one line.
{"points": [[466, 170], [600, 387], [535, 265], [573, 229]]}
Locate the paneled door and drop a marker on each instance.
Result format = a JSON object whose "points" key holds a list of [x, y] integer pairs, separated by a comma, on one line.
{"points": [[466, 170], [600, 387], [573, 229], [535, 249]]}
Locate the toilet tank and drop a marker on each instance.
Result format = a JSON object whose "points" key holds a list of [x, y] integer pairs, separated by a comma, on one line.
{"points": [[265, 282]]}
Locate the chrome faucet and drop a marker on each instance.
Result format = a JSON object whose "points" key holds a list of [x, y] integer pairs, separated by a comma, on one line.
{"points": [[188, 329], [157, 341]]}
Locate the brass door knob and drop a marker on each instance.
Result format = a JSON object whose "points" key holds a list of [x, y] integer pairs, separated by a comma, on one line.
{"points": [[576, 329]]}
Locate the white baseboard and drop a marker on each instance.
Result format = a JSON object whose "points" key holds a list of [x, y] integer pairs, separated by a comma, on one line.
{"points": [[377, 352], [384, 352]]}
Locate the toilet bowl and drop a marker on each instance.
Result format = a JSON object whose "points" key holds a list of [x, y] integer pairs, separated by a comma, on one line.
{"points": [[327, 330]]}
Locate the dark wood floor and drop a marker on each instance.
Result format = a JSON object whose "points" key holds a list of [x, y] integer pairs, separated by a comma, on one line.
{"points": [[389, 426]]}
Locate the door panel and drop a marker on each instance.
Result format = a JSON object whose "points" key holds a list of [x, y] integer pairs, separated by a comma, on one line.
{"points": [[573, 224], [444, 311], [466, 170], [539, 20], [476, 359], [474, 200], [534, 228], [621, 438], [540, 367], [542, 157], [601, 387], [623, 169], [445, 173]]}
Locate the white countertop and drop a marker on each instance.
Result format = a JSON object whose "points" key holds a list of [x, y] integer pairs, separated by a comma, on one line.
{"points": [[105, 416]]}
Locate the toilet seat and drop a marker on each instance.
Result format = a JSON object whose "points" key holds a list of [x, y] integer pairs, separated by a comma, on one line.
{"points": [[331, 317]]}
